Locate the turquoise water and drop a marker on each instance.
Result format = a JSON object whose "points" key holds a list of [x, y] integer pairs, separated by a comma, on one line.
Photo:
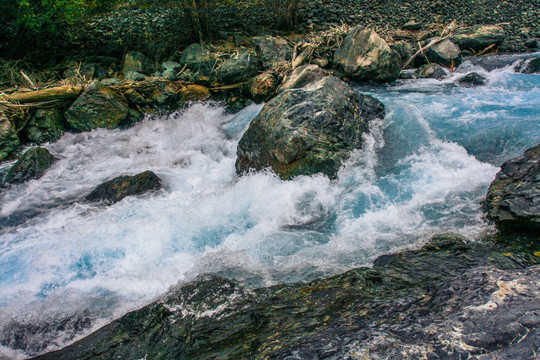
{"points": [[423, 169]]}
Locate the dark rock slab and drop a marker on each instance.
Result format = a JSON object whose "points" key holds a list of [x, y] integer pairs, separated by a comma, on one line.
{"points": [[32, 165], [272, 50], [118, 188], [97, 107], [513, 198], [448, 300], [472, 79], [8, 137], [308, 130], [445, 53], [365, 57], [45, 125]]}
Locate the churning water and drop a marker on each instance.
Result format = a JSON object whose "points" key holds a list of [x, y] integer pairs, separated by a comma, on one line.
{"points": [[67, 266]]}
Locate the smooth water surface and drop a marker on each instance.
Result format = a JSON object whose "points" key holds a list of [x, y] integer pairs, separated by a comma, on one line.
{"points": [[67, 266]]}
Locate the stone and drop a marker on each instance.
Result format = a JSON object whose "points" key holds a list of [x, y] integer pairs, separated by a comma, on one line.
{"points": [[472, 79], [405, 49], [137, 62], [170, 70], [532, 43], [272, 50], [8, 137], [302, 76], [45, 125], [479, 37], [321, 62], [110, 81], [412, 25], [365, 56], [307, 130], [238, 68], [197, 58], [31, 165], [445, 53], [89, 71], [529, 66], [134, 76], [97, 107], [513, 198], [434, 71], [120, 187], [263, 86]]}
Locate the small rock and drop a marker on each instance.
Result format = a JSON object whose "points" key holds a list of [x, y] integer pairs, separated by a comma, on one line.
{"points": [[8, 137], [120, 187], [170, 70], [302, 76], [404, 49], [530, 66], [45, 125], [238, 68], [137, 62], [445, 53], [473, 79], [513, 198], [197, 58], [321, 62], [364, 56], [134, 76], [479, 37], [433, 71], [262, 87], [412, 25], [32, 165], [97, 107], [272, 50]]}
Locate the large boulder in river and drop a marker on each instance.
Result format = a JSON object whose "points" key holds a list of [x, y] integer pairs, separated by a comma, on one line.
{"points": [[513, 199], [307, 130], [479, 37], [32, 165], [8, 137], [272, 50], [45, 125], [118, 188], [444, 53], [97, 107], [365, 56]]}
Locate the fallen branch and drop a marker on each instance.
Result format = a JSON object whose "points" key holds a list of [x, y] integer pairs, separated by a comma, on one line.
{"points": [[66, 92]]}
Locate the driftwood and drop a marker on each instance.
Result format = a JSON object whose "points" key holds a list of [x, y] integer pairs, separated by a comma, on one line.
{"points": [[298, 60], [65, 92]]}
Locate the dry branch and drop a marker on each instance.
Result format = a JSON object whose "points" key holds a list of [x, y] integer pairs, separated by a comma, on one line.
{"points": [[66, 92]]}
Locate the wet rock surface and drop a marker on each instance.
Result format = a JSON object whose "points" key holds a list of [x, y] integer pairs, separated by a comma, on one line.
{"points": [[472, 79], [530, 66], [513, 198], [32, 165], [308, 130], [8, 137], [365, 56], [449, 299], [434, 71], [120, 187], [479, 37]]}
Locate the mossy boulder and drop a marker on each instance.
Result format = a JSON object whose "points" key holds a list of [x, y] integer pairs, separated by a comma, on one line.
{"points": [[32, 165], [365, 56], [8, 137], [272, 50], [238, 68], [479, 37], [45, 125], [444, 53], [513, 198], [137, 62], [120, 187], [308, 130], [97, 107]]}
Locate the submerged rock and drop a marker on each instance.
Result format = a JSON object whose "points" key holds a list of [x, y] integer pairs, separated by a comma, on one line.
{"points": [[479, 37], [364, 56], [513, 198], [309, 130], [530, 66], [32, 165], [407, 306], [97, 107], [118, 188], [45, 125], [445, 53], [272, 50], [8, 137], [472, 79], [434, 71]]}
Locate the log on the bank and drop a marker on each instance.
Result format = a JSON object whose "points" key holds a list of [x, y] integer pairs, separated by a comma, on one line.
{"points": [[66, 92]]}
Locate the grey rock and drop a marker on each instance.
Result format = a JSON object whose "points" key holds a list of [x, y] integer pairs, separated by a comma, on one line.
{"points": [[412, 25], [45, 125], [120, 187], [238, 68], [272, 50], [445, 53], [434, 71], [364, 56], [134, 76], [472, 79], [8, 137], [529, 66], [479, 37], [32, 165]]}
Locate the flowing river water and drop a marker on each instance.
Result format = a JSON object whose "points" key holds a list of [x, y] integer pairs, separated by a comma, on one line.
{"points": [[67, 267]]}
